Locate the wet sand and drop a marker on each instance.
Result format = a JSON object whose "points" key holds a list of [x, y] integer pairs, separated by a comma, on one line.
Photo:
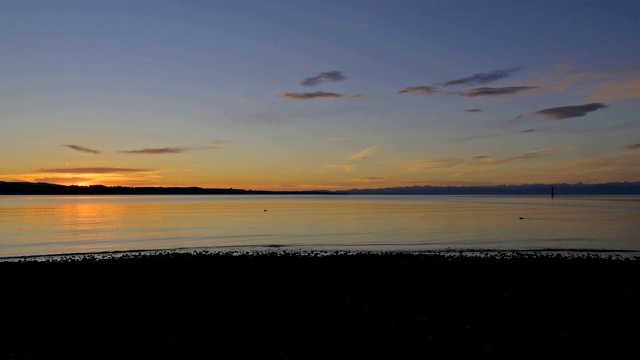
{"points": [[361, 306]]}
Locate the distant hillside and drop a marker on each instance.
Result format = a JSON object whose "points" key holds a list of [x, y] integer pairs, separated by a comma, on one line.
{"points": [[625, 188], [27, 188]]}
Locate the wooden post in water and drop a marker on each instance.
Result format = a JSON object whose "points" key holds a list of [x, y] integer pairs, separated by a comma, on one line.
{"points": [[552, 192]]}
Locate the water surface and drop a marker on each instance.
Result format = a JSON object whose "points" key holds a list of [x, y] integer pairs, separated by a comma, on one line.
{"points": [[46, 225]]}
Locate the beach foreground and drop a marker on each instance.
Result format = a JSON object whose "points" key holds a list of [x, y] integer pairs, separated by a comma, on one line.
{"points": [[287, 305]]}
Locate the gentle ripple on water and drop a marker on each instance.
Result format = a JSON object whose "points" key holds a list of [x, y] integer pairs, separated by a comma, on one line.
{"points": [[42, 225]]}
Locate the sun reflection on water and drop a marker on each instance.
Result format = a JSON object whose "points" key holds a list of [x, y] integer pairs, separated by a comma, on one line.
{"points": [[67, 224]]}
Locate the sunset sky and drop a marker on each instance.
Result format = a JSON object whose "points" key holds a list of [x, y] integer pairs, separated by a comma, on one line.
{"points": [[319, 94]]}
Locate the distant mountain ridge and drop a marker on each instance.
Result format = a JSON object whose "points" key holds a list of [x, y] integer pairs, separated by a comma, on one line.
{"points": [[617, 188]]}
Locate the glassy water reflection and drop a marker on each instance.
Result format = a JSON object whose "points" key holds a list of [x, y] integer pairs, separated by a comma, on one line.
{"points": [[37, 225]]}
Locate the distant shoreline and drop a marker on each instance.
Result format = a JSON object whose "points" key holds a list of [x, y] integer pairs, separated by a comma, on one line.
{"points": [[624, 188], [26, 188]]}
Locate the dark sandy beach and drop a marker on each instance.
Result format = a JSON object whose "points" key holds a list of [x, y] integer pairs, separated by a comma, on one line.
{"points": [[362, 306]]}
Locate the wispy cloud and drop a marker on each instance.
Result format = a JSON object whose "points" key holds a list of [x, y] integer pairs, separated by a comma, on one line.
{"points": [[337, 139], [563, 77], [493, 134], [482, 78], [367, 180], [424, 90], [614, 168], [604, 83], [632, 146], [345, 168], [430, 164], [472, 110], [490, 91], [480, 136], [566, 112], [476, 79], [220, 144], [482, 160], [63, 180], [534, 154], [371, 150], [330, 76], [314, 95], [82, 149], [93, 170], [158, 151], [617, 91]]}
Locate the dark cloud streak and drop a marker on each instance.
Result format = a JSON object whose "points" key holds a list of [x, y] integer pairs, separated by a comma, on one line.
{"points": [[482, 78], [160, 151], [491, 91], [314, 95], [82, 149], [330, 76], [425, 90], [566, 112], [96, 170]]}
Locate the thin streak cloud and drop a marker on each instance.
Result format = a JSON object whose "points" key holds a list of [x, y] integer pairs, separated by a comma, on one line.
{"points": [[483, 160], [534, 154], [369, 179], [490, 91], [364, 153], [82, 149], [566, 112], [330, 76], [93, 170], [632, 146], [617, 168], [314, 95], [63, 180], [220, 144], [618, 91], [160, 151], [424, 90], [482, 78], [344, 168]]}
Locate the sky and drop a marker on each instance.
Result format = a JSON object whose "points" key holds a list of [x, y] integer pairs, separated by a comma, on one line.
{"points": [[299, 95]]}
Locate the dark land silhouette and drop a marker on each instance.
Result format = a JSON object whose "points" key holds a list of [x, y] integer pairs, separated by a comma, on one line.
{"points": [[619, 188], [28, 188], [289, 306]]}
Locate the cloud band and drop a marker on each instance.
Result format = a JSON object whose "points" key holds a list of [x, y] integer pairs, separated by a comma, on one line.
{"points": [[566, 112]]}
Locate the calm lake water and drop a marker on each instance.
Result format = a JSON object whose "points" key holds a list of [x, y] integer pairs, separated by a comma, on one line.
{"points": [[47, 225]]}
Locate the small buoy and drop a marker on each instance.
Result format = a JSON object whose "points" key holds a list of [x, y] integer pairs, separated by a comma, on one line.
{"points": [[265, 209]]}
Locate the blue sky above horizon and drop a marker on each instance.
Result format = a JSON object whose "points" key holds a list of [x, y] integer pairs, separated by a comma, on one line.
{"points": [[330, 95]]}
